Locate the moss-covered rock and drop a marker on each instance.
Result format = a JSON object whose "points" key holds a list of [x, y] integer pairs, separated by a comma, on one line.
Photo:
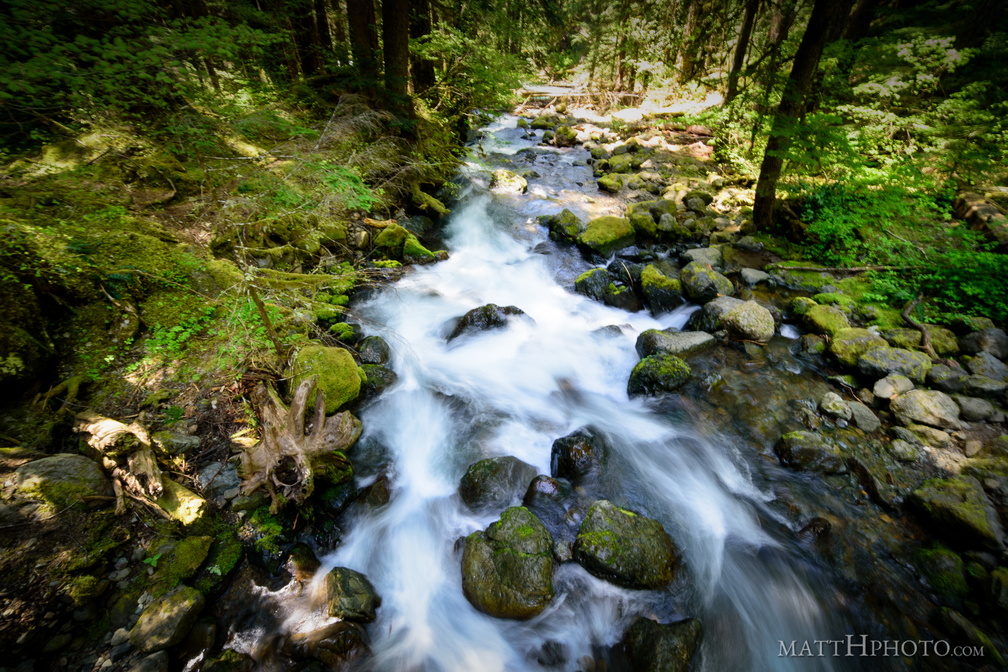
{"points": [[626, 548], [658, 373], [644, 224], [350, 596], [926, 407], [181, 503], [661, 292], [958, 511], [167, 620], [507, 182], [657, 647], [398, 243], [801, 305], [335, 371], [623, 163], [61, 480], [495, 482], [844, 302], [808, 451], [880, 361], [826, 320], [564, 226], [701, 283], [610, 183], [565, 136], [507, 570], [593, 283], [849, 344], [943, 571], [177, 562], [605, 235]]}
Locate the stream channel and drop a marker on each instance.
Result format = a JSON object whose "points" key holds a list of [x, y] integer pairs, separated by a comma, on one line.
{"points": [[514, 391]]}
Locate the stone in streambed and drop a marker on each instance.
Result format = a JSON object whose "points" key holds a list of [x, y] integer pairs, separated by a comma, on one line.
{"points": [[891, 386], [507, 570], [881, 361], [626, 548], [605, 235], [926, 407], [657, 647], [350, 596], [808, 451], [577, 455], [495, 482], [849, 344], [749, 322], [593, 283], [833, 404], [701, 283], [672, 342], [166, 621], [708, 318], [957, 509], [373, 350], [656, 374], [826, 320], [484, 318], [661, 292]]}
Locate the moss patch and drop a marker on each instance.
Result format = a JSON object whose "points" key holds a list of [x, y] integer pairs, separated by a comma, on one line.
{"points": [[335, 371]]}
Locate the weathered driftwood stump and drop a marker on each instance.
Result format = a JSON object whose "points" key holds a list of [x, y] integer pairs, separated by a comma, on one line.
{"points": [[286, 460], [127, 456]]}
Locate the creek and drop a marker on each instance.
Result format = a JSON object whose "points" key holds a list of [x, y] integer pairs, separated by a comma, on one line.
{"points": [[513, 391]]}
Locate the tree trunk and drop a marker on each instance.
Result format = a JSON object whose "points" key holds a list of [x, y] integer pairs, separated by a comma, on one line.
{"points": [[363, 41], [860, 20], [395, 33], [339, 36], [322, 26], [740, 49], [792, 105], [302, 24], [420, 27]]}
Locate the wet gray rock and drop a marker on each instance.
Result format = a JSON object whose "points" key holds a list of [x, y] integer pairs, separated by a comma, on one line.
{"points": [[986, 364], [61, 480], [982, 386], [577, 455], [337, 645], [881, 361], [701, 284], [374, 350], [350, 596], [593, 283], [484, 318], [379, 379], [847, 345], [992, 340], [167, 620], [218, 478], [958, 511], [656, 647], [507, 570], [905, 451], [753, 277], [672, 342], [626, 548], [926, 407], [864, 418], [808, 451], [496, 482], [749, 322], [834, 405], [932, 436]]}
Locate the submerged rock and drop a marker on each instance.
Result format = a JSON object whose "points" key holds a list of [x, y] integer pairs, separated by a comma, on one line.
{"points": [[484, 318], [657, 647], [658, 373], [507, 570], [808, 451], [495, 482], [577, 455], [626, 548]]}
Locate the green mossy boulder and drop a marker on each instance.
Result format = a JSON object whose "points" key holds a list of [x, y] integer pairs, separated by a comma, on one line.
{"points": [[958, 511], [335, 372], [808, 451], [398, 243], [61, 480], [564, 226], [565, 136], [849, 344], [880, 361], [658, 373], [177, 562], [350, 596], [749, 322], [701, 283], [625, 548], [507, 570], [610, 183], [842, 301], [605, 235], [593, 283], [167, 620], [657, 647], [623, 163], [644, 224], [943, 571], [661, 292], [826, 320]]}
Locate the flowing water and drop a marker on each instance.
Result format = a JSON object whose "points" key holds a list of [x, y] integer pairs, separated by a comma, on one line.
{"points": [[513, 391]]}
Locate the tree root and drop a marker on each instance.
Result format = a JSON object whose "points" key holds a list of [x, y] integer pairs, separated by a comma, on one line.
{"points": [[925, 334]]}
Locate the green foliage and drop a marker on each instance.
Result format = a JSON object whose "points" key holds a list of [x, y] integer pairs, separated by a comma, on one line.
{"points": [[348, 185]]}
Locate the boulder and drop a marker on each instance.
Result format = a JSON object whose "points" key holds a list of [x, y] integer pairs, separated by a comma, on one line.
{"points": [[705, 256], [577, 455], [335, 371], [891, 386], [484, 318], [373, 350], [350, 596], [655, 647], [753, 277], [610, 183], [337, 645], [926, 407], [864, 418], [656, 374], [593, 283], [496, 482], [506, 182], [947, 378], [992, 340], [708, 318], [989, 366], [661, 292], [605, 235], [749, 322], [61, 480], [379, 379], [565, 136], [702, 284], [564, 226], [626, 548], [826, 320], [982, 386], [958, 511], [507, 570], [972, 409], [834, 405], [881, 361], [943, 340], [849, 344], [672, 342], [808, 451], [167, 620]]}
